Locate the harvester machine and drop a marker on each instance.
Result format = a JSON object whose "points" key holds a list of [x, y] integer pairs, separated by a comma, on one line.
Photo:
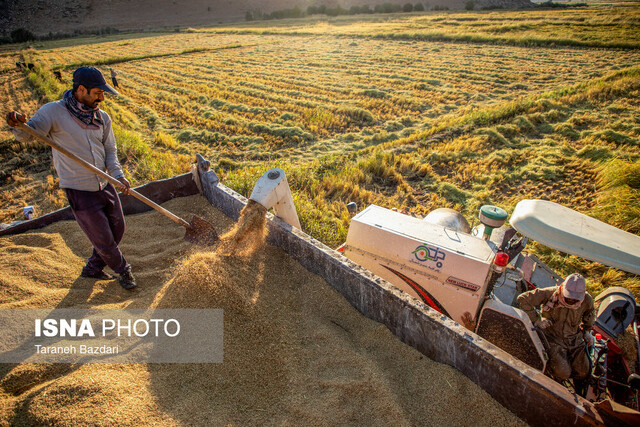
{"points": [[474, 276]]}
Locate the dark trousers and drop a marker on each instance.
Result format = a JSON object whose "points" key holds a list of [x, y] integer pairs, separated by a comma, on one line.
{"points": [[100, 216], [566, 363], [114, 81]]}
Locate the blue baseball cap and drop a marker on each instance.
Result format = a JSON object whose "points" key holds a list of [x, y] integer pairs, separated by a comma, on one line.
{"points": [[91, 77]]}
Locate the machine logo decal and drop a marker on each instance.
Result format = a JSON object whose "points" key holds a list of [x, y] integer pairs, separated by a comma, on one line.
{"points": [[427, 253], [425, 296], [462, 284]]}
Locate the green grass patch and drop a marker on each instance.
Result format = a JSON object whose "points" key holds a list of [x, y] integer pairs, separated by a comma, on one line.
{"points": [[619, 181]]}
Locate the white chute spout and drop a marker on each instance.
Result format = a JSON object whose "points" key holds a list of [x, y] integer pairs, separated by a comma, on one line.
{"points": [[272, 191]]}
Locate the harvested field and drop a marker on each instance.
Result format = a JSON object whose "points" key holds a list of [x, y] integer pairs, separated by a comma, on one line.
{"points": [[412, 111], [295, 351]]}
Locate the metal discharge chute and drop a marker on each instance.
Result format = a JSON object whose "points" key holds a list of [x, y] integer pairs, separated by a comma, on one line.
{"points": [[272, 191]]}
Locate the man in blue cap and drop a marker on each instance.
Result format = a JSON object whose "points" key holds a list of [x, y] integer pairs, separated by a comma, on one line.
{"points": [[77, 123]]}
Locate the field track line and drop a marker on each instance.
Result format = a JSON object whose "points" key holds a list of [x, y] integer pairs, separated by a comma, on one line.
{"points": [[450, 38], [120, 60]]}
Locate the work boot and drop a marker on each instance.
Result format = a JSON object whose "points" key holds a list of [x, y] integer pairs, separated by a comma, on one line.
{"points": [[127, 280], [100, 275]]}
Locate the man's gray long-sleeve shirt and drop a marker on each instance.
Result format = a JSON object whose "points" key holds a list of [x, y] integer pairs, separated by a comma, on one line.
{"points": [[97, 146]]}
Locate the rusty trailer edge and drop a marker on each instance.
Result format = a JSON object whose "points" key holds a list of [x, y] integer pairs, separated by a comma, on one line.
{"points": [[159, 191]]}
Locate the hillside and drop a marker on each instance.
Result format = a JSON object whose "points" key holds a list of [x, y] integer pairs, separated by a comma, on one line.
{"points": [[66, 16]]}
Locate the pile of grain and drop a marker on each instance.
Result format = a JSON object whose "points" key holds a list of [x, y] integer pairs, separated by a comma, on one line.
{"points": [[295, 352]]}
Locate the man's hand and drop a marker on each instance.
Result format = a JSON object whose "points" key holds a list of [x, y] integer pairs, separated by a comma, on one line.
{"points": [[468, 321], [589, 338], [13, 118], [543, 323], [125, 185]]}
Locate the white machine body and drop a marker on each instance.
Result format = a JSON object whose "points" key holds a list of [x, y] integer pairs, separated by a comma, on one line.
{"points": [[447, 269], [453, 271], [272, 191], [569, 231]]}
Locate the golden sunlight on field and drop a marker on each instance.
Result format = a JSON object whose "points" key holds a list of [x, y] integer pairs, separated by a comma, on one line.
{"points": [[414, 112]]}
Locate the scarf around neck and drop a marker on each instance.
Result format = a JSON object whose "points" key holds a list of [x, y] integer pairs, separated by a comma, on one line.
{"points": [[557, 299], [85, 115]]}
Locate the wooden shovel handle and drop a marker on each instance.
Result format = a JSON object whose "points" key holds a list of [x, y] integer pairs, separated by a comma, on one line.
{"points": [[31, 131]]}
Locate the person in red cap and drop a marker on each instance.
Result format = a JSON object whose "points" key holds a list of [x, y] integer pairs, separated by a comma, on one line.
{"points": [[566, 314], [77, 123]]}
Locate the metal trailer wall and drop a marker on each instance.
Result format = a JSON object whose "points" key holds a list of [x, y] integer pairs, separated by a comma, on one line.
{"points": [[158, 191], [523, 390]]}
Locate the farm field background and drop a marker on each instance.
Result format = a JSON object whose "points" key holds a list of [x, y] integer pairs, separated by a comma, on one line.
{"points": [[413, 111]]}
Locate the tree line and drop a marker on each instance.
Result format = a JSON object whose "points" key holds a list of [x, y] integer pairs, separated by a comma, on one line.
{"points": [[22, 35], [296, 12]]}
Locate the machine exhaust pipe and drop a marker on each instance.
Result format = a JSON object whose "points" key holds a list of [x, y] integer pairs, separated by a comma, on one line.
{"points": [[272, 191]]}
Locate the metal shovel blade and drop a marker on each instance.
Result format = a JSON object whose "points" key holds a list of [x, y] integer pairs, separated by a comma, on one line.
{"points": [[201, 232]]}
